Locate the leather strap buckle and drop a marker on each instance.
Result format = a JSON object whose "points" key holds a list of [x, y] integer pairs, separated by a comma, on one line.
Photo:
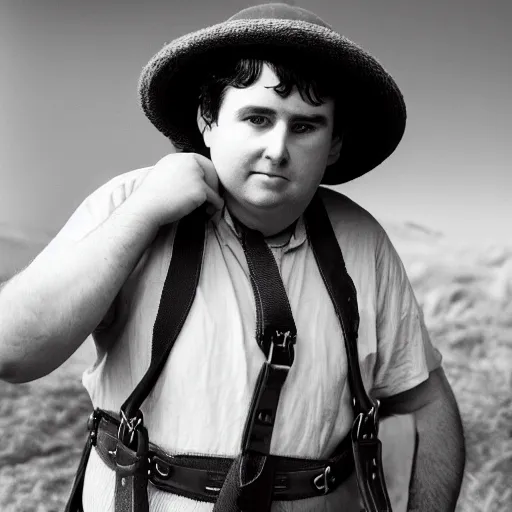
{"points": [[128, 427], [281, 351], [324, 481], [367, 426]]}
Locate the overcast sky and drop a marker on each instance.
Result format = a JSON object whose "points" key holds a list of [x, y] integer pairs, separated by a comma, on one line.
{"points": [[70, 119]]}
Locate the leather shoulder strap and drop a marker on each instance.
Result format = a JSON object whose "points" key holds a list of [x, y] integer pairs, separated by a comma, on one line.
{"points": [[176, 300], [366, 446], [342, 291]]}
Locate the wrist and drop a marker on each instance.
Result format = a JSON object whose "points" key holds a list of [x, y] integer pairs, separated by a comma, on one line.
{"points": [[134, 214]]}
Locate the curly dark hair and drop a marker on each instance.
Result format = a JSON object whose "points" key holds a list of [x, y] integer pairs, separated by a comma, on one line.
{"points": [[314, 85]]}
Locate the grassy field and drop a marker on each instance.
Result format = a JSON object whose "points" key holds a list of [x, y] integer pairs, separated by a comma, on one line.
{"points": [[466, 294]]}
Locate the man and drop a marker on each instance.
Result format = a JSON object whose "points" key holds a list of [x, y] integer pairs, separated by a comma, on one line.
{"points": [[260, 131]]}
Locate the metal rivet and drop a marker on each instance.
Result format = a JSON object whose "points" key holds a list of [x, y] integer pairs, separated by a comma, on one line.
{"points": [[265, 417], [123, 481], [162, 472]]}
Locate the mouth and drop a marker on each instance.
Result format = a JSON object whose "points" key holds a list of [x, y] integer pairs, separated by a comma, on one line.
{"points": [[270, 175]]}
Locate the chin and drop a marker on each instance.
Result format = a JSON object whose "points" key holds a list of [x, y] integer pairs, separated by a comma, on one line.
{"points": [[264, 200]]}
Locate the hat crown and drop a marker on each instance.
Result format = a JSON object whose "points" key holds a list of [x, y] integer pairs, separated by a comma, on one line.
{"points": [[279, 11]]}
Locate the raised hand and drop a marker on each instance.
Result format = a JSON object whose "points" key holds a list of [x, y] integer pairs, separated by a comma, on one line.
{"points": [[178, 184]]}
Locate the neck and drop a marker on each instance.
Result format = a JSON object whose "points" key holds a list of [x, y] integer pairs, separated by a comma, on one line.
{"points": [[269, 222]]}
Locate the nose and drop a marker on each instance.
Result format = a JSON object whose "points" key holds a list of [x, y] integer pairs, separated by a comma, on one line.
{"points": [[276, 145]]}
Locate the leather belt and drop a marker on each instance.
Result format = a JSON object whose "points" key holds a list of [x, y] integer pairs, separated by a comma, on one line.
{"points": [[201, 477]]}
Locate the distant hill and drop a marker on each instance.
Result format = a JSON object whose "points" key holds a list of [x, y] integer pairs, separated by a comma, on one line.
{"points": [[411, 231]]}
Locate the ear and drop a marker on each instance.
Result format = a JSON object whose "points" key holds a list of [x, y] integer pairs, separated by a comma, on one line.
{"points": [[204, 128], [334, 153]]}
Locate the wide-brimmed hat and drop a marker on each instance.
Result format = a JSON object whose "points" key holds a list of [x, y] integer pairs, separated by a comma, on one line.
{"points": [[373, 110]]}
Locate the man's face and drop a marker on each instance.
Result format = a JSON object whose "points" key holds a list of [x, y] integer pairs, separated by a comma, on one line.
{"points": [[270, 152]]}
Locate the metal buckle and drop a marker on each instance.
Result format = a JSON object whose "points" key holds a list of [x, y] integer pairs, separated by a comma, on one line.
{"points": [[368, 424], [214, 483], [324, 486], [131, 424], [281, 352], [214, 490]]}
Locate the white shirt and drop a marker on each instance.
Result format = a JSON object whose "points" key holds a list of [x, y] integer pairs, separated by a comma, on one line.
{"points": [[200, 402]]}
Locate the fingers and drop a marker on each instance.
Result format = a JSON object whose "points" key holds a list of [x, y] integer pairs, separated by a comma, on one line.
{"points": [[210, 174], [214, 198], [212, 181]]}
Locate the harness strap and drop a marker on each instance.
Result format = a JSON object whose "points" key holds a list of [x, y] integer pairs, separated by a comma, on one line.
{"points": [[74, 503], [202, 477], [250, 482], [341, 290], [273, 311], [366, 446], [175, 303], [176, 300], [131, 468]]}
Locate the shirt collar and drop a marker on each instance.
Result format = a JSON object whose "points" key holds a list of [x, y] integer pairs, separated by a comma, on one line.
{"points": [[224, 224]]}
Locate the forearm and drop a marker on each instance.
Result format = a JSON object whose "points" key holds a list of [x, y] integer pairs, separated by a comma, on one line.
{"points": [[51, 307], [440, 459]]}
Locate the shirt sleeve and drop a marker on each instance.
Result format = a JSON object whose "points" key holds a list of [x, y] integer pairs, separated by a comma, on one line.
{"points": [[97, 207], [91, 213], [405, 354]]}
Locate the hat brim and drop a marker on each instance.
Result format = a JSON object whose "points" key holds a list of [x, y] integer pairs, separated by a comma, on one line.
{"points": [[372, 106]]}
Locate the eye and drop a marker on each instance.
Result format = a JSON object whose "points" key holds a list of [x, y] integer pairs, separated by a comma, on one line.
{"points": [[302, 128], [257, 120]]}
